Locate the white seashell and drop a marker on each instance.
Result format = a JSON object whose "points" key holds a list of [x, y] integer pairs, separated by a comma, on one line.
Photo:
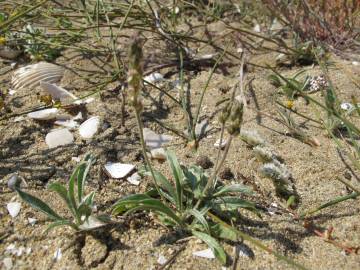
{"points": [[158, 153], [57, 93], [70, 124], [356, 63], [59, 137], [223, 143], [154, 140], [134, 179], [206, 253], [89, 128], [118, 170], [45, 114], [32, 221], [31, 75], [13, 208], [8, 264], [154, 78], [58, 254], [8, 53], [346, 106], [161, 260]]}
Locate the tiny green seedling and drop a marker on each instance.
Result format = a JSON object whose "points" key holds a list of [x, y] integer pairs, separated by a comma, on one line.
{"points": [[80, 206]]}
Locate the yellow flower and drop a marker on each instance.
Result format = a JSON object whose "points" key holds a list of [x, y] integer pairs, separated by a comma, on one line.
{"points": [[289, 104], [2, 40]]}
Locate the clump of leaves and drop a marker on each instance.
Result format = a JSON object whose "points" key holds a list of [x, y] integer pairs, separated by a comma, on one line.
{"points": [[186, 204], [80, 206], [290, 87]]}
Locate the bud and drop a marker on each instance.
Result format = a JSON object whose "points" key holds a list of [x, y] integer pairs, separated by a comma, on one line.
{"points": [[225, 113], [135, 72]]}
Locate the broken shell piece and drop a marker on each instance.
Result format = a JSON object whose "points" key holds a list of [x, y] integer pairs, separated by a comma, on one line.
{"points": [[223, 143], [58, 254], [158, 153], [70, 124], [11, 92], [32, 221], [13, 208], [346, 106], [154, 78], [154, 140], [31, 75], [134, 179], [206, 253], [59, 137], [118, 170], [356, 63], [57, 93], [45, 114], [89, 128]]}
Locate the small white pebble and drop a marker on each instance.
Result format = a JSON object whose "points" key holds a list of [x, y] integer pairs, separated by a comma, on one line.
{"points": [[13, 208], [161, 260]]}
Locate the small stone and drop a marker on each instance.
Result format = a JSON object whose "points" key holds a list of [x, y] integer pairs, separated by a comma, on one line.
{"points": [[204, 162], [93, 252], [223, 143], [226, 174]]}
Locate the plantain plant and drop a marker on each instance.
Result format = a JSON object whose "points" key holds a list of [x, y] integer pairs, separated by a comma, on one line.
{"points": [[80, 206], [185, 204]]}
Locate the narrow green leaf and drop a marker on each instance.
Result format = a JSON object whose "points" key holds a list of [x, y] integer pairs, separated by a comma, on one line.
{"points": [[232, 188], [178, 175], [232, 203], [223, 232], [89, 199], [62, 192], [38, 204], [71, 190], [60, 223], [213, 245], [200, 217], [82, 174], [128, 202], [156, 205]]}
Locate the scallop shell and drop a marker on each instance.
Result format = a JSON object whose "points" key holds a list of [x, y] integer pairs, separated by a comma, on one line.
{"points": [[30, 76]]}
